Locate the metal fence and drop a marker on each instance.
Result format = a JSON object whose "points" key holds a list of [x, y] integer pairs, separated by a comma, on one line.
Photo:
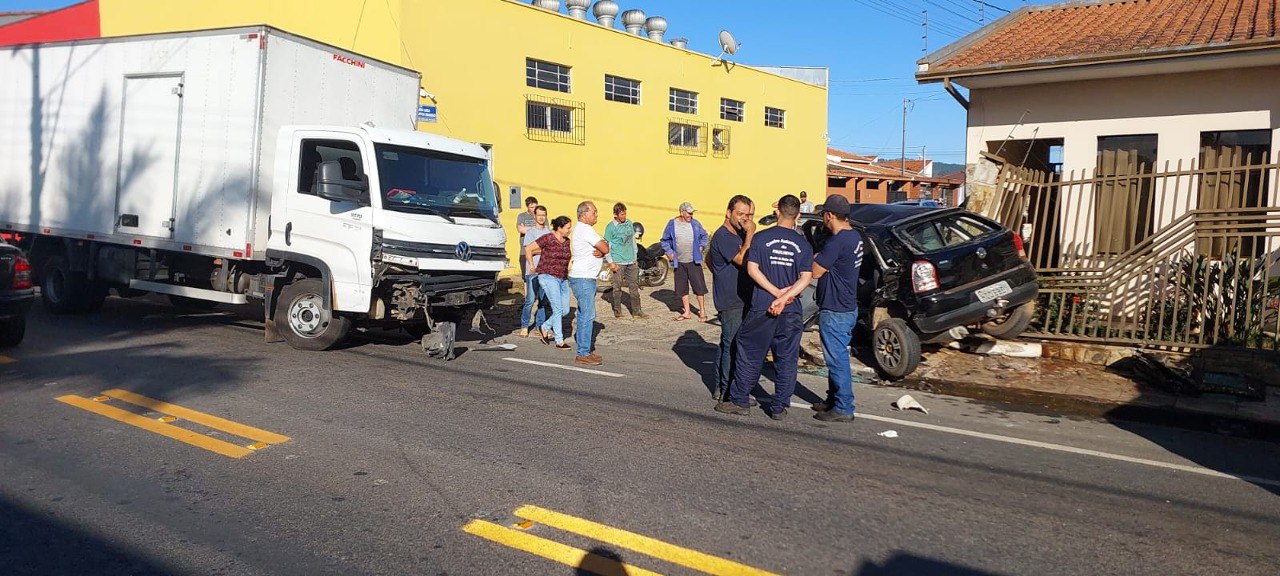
{"points": [[1178, 258]]}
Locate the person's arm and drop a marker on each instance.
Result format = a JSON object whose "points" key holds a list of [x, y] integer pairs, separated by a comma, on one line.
{"points": [[523, 229], [746, 243], [668, 240], [753, 270], [791, 293], [818, 270], [531, 249]]}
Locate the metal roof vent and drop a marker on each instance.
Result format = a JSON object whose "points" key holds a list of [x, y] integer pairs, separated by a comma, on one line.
{"points": [[605, 11], [681, 43], [634, 20], [578, 8], [552, 5], [655, 27]]}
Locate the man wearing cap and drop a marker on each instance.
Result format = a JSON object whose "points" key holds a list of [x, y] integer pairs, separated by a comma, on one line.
{"points": [[836, 268], [684, 241], [806, 207], [780, 261]]}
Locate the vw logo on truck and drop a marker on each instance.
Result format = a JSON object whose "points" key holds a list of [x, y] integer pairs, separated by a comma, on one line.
{"points": [[463, 252]]}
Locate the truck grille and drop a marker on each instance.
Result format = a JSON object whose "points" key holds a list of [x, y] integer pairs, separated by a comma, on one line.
{"points": [[442, 251]]}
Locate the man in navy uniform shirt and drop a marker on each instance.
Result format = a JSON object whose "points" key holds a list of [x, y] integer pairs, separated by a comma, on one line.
{"points": [[780, 262], [836, 269]]}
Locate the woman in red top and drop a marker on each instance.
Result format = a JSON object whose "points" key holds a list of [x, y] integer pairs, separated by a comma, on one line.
{"points": [[553, 275]]}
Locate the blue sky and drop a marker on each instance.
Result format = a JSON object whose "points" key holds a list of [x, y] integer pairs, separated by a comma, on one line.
{"points": [[870, 47]]}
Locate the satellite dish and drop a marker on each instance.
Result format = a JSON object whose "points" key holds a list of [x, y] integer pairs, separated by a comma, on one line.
{"points": [[727, 43]]}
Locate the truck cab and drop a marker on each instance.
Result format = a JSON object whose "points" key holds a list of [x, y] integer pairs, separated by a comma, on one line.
{"points": [[393, 226]]}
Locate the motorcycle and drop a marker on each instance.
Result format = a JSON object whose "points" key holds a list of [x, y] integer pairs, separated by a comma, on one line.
{"points": [[652, 264]]}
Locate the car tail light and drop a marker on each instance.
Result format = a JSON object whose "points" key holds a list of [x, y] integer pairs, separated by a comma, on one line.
{"points": [[924, 277], [1017, 243], [21, 274]]}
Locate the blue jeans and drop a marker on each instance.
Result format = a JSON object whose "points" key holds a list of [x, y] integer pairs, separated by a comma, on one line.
{"points": [[584, 291], [533, 293], [556, 292], [730, 322], [836, 329]]}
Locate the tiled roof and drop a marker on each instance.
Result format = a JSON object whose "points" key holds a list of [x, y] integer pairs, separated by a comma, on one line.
{"points": [[911, 166], [849, 156], [1101, 30]]}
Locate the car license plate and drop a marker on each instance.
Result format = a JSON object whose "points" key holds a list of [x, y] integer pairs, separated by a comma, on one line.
{"points": [[993, 291]]}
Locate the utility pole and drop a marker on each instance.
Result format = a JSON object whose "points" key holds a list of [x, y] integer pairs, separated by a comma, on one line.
{"points": [[903, 164]]}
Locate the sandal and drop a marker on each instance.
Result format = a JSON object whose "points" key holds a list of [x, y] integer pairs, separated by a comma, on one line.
{"points": [[563, 346], [682, 318]]}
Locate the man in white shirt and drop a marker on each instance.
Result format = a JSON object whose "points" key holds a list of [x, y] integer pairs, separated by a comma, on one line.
{"points": [[806, 207], [589, 250]]}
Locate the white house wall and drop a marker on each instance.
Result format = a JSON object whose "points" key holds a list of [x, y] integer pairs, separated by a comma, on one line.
{"points": [[1175, 107]]}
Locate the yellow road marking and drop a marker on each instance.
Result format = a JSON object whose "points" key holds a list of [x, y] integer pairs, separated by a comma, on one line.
{"points": [[562, 553], [198, 417], [636, 542], [174, 432]]}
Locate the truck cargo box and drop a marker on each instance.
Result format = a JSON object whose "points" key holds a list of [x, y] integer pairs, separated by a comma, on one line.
{"points": [[165, 141]]}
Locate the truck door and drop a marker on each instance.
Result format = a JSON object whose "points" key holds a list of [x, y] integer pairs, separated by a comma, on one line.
{"points": [[340, 234], [148, 168]]}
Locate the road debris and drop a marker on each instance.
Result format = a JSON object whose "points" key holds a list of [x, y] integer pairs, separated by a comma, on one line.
{"points": [[906, 402], [888, 434]]}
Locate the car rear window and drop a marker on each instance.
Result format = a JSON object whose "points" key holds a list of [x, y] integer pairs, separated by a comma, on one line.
{"points": [[946, 232]]}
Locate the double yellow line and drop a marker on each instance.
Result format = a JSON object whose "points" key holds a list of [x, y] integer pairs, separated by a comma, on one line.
{"points": [[595, 563], [164, 427]]}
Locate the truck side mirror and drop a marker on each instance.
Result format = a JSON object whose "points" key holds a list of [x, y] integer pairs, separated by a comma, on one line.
{"points": [[338, 185]]}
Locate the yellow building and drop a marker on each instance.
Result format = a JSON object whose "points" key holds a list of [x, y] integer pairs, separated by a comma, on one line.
{"points": [[612, 116]]}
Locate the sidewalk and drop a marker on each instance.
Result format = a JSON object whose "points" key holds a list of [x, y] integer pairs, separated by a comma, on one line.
{"points": [[1052, 384]]}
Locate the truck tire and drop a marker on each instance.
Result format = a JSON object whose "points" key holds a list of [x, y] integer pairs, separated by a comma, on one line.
{"points": [[12, 331], [66, 292], [303, 320], [1011, 325], [896, 348]]}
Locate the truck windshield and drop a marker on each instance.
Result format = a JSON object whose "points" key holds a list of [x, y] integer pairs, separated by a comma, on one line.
{"points": [[420, 181]]}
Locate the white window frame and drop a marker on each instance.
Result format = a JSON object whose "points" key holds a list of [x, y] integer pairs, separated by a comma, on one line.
{"points": [[775, 117], [534, 70], [728, 107], [621, 89], [683, 101]]}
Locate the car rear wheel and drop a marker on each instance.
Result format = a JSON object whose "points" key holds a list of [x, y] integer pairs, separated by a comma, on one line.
{"points": [[1011, 325], [896, 348], [304, 321], [12, 330]]}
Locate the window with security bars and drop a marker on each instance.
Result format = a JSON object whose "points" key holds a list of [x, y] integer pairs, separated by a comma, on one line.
{"points": [[775, 117], [686, 138], [720, 141], [619, 89], [546, 75], [555, 120], [684, 101], [733, 110]]}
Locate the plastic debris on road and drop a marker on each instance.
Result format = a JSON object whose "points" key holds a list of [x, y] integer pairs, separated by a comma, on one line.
{"points": [[906, 402], [889, 434]]}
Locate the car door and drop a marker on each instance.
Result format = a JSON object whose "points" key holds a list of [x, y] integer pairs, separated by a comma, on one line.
{"points": [[339, 234]]}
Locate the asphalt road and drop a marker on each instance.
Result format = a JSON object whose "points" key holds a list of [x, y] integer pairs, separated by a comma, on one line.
{"points": [[396, 464]]}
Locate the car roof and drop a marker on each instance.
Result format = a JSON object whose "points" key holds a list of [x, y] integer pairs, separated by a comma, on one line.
{"points": [[887, 213]]}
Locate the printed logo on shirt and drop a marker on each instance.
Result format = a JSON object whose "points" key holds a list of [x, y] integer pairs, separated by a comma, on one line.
{"points": [[782, 252]]}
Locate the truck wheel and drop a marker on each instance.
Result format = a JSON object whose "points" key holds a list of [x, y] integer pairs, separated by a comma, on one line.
{"points": [[658, 276], [896, 349], [12, 331], [67, 292], [303, 320], [1011, 325]]}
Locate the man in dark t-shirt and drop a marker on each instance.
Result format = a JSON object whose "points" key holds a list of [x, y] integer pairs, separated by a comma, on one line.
{"points": [[780, 261], [730, 286], [836, 268]]}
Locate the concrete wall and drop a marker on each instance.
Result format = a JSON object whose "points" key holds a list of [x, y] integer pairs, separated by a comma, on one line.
{"points": [[472, 58]]}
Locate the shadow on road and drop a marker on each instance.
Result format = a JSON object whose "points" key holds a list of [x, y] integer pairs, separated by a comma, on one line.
{"points": [[38, 542], [601, 561], [904, 564]]}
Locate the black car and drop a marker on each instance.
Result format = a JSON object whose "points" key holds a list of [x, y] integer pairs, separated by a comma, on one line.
{"points": [[16, 294], [928, 272]]}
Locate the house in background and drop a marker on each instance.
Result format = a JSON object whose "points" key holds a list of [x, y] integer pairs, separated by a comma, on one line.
{"points": [[1137, 138], [868, 179]]}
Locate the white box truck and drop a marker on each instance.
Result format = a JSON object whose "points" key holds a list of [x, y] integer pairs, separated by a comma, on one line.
{"points": [[236, 164]]}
